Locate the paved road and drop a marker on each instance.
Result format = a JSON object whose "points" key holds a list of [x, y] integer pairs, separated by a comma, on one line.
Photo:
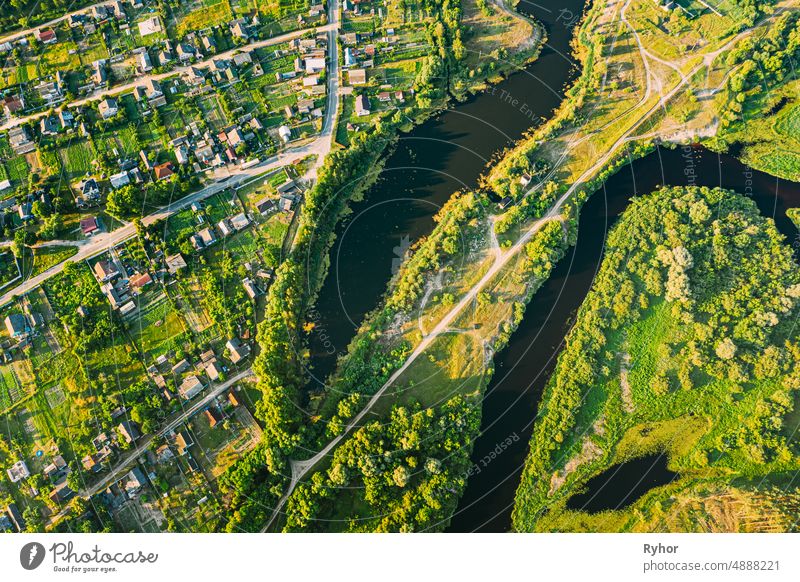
{"points": [[143, 443], [27, 31], [301, 468], [104, 241], [141, 80]]}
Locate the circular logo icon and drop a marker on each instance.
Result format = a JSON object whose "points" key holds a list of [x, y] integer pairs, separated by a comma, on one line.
{"points": [[31, 555]]}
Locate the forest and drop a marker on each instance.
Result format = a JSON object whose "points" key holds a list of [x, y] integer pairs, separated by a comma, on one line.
{"points": [[686, 344]]}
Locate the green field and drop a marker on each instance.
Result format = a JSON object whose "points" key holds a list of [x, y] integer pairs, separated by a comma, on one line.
{"points": [[77, 159], [157, 327]]}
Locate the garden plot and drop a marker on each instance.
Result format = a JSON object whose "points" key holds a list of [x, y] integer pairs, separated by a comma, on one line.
{"points": [[158, 327]]}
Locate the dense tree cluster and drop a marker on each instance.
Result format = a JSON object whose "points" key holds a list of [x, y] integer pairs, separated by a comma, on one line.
{"points": [[759, 65], [405, 474], [721, 291]]}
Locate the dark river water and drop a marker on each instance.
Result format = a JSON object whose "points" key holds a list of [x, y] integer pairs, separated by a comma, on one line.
{"points": [[524, 366], [448, 153], [437, 158], [622, 484]]}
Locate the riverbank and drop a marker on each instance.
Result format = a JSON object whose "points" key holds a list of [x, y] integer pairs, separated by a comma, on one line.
{"points": [[662, 358], [282, 360]]}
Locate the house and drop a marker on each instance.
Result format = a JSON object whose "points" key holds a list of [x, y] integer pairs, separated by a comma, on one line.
{"points": [[237, 350], [349, 58], [19, 138], [525, 179], [108, 108], [150, 26], [138, 282], [154, 93], [265, 206], [314, 64], [49, 125], [398, 95], [75, 20], [224, 227], [212, 416], [89, 226], [61, 494], [90, 190], [209, 44], [286, 202], [207, 237], [18, 471], [129, 431], [91, 463], [175, 263], [13, 104], [239, 29], [119, 10], [288, 186], [235, 136], [105, 270], [241, 59], [384, 96], [66, 118], [350, 38], [99, 75], [56, 468], [357, 76], [143, 62], [5, 185], [139, 94], [190, 387], [240, 221], [285, 133], [195, 76], [186, 52], [310, 81], [134, 481], [100, 13], [49, 91], [164, 454], [182, 442], [17, 325], [213, 370], [165, 57], [119, 180], [113, 296], [182, 155], [16, 517], [362, 105], [46, 35], [232, 399], [163, 171], [181, 367], [250, 288], [25, 211]]}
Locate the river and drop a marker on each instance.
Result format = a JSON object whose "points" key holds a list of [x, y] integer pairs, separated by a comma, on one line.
{"points": [[449, 152], [524, 366], [435, 159]]}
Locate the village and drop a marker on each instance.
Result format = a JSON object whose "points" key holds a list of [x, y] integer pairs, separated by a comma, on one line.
{"points": [[125, 376]]}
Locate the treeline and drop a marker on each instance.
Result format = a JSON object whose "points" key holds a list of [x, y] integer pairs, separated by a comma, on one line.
{"points": [[727, 291], [759, 65], [406, 474]]}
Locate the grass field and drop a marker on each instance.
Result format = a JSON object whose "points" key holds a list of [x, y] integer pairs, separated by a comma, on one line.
{"points": [[157, 327], [209, 15], [77, 159]]}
